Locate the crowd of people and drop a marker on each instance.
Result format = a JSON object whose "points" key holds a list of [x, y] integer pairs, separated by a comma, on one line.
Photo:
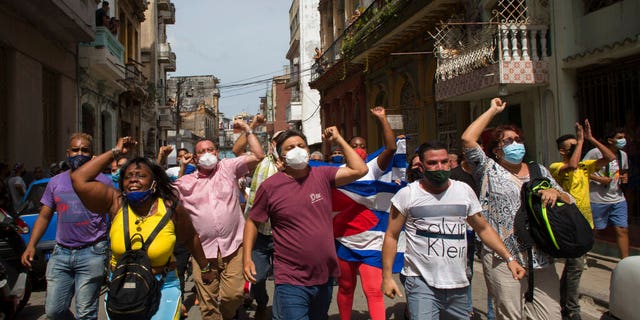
{"points": [[282, 220]]}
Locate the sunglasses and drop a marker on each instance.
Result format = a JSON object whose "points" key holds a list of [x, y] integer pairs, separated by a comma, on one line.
{"points": [[83, 150], [509, 141]]}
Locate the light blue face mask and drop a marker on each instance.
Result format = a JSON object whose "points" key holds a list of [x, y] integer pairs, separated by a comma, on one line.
{"points": [[514, 153], [115, 177], [620, 143]]}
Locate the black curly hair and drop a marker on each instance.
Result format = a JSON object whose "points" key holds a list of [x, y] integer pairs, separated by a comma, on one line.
{"points": [[164, 187]]}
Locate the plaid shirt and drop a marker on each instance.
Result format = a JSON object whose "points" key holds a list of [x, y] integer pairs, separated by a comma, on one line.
{"points": [[265, 169]]}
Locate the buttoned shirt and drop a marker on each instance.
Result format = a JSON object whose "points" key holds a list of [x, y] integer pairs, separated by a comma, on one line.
{"points": [[212, 200]]}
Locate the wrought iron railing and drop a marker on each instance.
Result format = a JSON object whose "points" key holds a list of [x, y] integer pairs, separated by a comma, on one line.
{"points": [[346, 44]]}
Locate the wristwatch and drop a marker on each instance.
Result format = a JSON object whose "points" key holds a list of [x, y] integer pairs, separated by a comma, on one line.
{"points": [[249, 132], [510, 258], [206, 268]]}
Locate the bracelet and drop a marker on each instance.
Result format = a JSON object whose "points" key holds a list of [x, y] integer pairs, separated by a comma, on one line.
{"points": [[249, 132], [115, 152], [206, 268]]}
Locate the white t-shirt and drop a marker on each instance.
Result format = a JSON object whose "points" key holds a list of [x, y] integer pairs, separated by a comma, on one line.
{"points": [[436, 232], [173, 172], [611, 193]]}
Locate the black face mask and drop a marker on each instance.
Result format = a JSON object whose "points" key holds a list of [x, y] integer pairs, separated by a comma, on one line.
{"points": [[437, 177], [414, 175]]}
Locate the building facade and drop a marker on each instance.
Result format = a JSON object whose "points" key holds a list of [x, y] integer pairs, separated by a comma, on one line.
{"points": [[303, 110], [39, 77], [194, 101]]}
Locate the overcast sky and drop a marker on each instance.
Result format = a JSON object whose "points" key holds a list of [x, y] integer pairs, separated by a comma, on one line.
{"points": [[236, 41]]}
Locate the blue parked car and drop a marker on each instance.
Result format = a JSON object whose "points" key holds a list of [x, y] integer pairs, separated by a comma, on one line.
{"points": [[29, 212]]}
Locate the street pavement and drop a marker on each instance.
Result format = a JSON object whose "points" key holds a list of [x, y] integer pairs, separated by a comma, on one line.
{"points": [[594, 300]]}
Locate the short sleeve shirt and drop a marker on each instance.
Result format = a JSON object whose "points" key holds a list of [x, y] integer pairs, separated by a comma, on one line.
{"points": [[213, 202], [436, 231], [76, 226], [301, 221], [611, 193], [576, 182]]}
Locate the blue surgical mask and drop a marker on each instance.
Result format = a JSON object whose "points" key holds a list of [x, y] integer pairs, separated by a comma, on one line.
{"points": [[115, 177], [620, 143], [514, 152], [137, 198], [76, 161], [337, 159]]}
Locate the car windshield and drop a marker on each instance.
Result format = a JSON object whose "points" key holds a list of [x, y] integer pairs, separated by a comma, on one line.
{"points": [[32, 202]]}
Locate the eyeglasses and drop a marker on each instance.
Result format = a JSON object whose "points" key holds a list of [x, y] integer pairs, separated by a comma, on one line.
{"points": [[509, 141], [83, 150]]}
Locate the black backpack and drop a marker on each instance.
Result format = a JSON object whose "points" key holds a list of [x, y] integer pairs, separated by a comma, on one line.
{"points": [[134, 292], [560, 231]]}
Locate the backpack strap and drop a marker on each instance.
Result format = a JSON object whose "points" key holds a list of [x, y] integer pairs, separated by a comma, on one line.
{"points": [[154, 233], [158, 227], [534, 170], [528, 296]]}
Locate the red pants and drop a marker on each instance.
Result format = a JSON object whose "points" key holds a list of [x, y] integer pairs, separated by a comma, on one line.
{"points": [[371, 278]]}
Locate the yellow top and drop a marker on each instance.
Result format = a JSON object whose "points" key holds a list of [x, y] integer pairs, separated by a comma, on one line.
{"points": [[160, 250], [576, 183]]}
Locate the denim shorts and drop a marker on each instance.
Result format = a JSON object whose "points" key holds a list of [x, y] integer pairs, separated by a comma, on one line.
{"points": [[614, 214]]}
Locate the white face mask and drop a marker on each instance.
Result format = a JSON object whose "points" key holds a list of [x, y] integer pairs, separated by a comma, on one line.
{"points": [[207, 161], [297, 158]]}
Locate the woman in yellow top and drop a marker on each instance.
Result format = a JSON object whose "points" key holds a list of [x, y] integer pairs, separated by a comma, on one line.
{"points": [[148, 194]]}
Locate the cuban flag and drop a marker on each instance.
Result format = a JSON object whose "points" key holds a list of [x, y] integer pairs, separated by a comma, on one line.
{"points": [[361, 212]]}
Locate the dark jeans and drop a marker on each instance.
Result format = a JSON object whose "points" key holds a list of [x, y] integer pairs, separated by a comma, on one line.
{"points": [[262, 256], [304, 302], [569, 284], [182, 254]]}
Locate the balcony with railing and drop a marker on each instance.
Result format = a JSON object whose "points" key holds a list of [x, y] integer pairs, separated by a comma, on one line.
{"points": [[164, 52], [171, 66], [380, 28], [135, 80], [508, 54], [104, 56], [166, 12]]}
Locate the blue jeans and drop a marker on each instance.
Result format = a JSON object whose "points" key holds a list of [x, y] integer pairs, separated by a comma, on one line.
{"points": [[304, 302], [427, 302], [78, 271], [262, 256]]}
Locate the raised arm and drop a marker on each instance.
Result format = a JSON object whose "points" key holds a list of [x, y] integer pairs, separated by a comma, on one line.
{"points": [[607, 154], [574, 160], [257, 154], [163, 153], [385, 157], [472, 134], [96, 196], [241, 144], [355, 168]]}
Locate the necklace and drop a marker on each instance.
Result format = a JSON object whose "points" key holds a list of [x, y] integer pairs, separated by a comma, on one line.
{"points": [[141, 219]]}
